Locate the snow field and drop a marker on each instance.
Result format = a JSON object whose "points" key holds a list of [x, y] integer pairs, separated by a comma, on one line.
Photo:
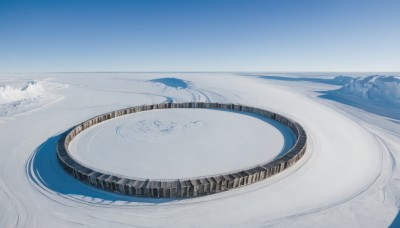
{"points": [[349, 178]]}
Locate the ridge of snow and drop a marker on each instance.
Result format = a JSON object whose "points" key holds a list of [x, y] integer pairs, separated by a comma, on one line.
{"points": [[379, 88], [32, 90], [34, 94]]}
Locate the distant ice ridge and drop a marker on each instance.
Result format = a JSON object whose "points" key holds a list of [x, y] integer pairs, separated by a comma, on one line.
{"points": [[8, 94], [376, 88], [32, 95]]}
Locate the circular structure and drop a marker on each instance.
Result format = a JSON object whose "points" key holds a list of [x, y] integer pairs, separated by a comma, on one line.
{"points": [[142, 129], [180, 143]]}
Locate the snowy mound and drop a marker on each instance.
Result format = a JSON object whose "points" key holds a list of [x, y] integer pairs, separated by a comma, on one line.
{"points": [[341, 80], [32, 95], [8, 94], [376, 88]]}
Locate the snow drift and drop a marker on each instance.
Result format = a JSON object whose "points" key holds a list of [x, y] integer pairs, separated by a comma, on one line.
{"points": [[376, 88], [34, 94], [32, 90]]}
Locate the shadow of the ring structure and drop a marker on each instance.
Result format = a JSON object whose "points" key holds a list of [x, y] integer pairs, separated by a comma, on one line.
{"points": [[178, 188]]}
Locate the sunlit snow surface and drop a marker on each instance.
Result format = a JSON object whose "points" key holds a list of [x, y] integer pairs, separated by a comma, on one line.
{"points": [[31, 95], [349, 176], [181, 143]]}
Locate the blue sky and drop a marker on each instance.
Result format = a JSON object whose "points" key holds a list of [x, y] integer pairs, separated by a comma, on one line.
{"points": [[199, 35]]}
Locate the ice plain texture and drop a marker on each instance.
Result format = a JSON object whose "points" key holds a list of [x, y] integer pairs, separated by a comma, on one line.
{"points": [[348, 178]]}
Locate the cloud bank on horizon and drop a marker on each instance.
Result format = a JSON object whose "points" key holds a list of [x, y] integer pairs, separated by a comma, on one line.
{"points": [[234, 35]]}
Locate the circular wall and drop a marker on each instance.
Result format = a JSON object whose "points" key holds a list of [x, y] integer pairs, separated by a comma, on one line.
{"points": [[181, 143], [179, 187]]}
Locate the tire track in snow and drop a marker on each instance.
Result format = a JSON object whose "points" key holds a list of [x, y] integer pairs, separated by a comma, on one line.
{"points": [[375, 181], [388, 159]]}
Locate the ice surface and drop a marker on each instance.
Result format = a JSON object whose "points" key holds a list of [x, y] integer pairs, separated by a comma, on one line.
{"points": [[349, 179]]}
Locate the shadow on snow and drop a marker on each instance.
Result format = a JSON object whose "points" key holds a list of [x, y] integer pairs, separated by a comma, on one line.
{"points": [[338, 95], [396, 221], [46, 173], [339, 80], [172, 82]]}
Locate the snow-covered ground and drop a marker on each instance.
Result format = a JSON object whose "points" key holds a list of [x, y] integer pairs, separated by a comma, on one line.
{"points": [[349, 176], [31, 95]]}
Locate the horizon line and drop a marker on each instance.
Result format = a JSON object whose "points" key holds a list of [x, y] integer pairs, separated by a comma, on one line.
{"points": [[257, 71]]}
